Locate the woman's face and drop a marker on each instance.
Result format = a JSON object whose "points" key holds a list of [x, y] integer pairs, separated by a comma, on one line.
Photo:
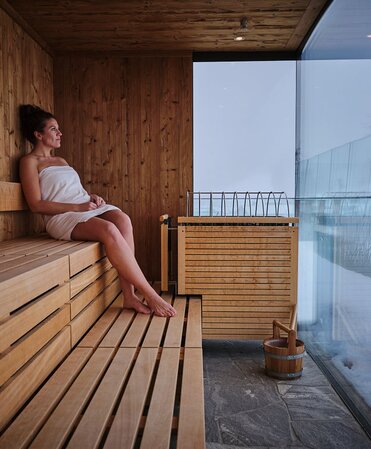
{"points": [[51, 135]]}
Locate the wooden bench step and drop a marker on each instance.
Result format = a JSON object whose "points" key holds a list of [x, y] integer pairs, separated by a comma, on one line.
{"points": [[50, 290], [22, 284], [127, 396]]}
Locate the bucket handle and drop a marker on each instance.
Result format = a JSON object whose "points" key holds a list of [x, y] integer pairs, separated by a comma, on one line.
{"points": [[291, 335]]}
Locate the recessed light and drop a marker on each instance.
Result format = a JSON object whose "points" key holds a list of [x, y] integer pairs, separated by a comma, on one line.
{"points": [[238, 38], [369, 36]]}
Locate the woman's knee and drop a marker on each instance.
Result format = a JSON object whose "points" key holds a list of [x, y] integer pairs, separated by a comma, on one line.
{"points": [[126, 219], [124, 222], [110, 233]]}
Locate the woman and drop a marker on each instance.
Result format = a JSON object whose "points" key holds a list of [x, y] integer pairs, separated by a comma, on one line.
{"points": [[53, 189]]}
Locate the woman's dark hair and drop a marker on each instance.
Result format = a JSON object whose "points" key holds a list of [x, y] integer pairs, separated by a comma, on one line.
{"points": [[33, 119]]}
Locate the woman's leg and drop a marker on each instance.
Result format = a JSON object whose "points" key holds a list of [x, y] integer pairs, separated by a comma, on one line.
{"points": [[123, 224], [122, 258]]}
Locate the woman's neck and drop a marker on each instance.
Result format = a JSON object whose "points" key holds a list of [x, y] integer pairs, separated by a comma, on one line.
{"points": [[42, 151]]}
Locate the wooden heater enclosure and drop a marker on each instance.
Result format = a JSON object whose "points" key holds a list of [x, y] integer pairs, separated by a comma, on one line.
{"points": [[245, 268]]}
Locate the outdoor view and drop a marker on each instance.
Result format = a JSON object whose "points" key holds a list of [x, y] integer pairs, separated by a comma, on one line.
{"points": [[244, 132]]}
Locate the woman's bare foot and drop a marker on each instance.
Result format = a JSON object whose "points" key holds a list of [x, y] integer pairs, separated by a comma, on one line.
{"points": [[133, 302], [160, 307]]}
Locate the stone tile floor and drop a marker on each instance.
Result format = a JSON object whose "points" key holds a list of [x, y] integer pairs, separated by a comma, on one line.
{"points": [[244, 408]]}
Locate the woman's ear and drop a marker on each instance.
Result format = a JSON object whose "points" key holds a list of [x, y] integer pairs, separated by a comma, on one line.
{"points": [[38, 135]]}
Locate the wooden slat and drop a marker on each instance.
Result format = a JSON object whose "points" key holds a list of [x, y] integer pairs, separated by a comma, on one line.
{"points": [[245, 238], [217, 296], [125, 425], [19, 323], [83, 255], [246, 302], [181, 260], [238, 287], [233, 220], [19, 242], [237, 319], [28, 423], [227, 247], [247, 307], [11, 197], [156, 328], [19, 354], [191, 427], [17, 390], [226, 258], [294, 267], [232, 252], [82, 322], [174, 331], [239, 279], [164, 253], [88, 276], [239, 324], [100, 328], [58, 249], [30, 247], [194, 335], [157, 430], [211, 271], [14, 261], [251, 262], [20, 285], [238, 336], [118, 330], [234, 313], [136, 332], [244, 291], [221, 231], [93, 423], [56, 429], [82, 299]]}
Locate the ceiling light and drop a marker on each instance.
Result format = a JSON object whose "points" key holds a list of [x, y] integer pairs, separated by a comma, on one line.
{"points": [[369, 35], [243, 28]]}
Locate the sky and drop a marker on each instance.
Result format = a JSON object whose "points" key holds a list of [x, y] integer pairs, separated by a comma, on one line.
{"points": [[244, 126]]}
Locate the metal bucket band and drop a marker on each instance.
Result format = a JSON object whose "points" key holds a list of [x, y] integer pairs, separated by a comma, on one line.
{"points": [[284, 357], [284, 375]]}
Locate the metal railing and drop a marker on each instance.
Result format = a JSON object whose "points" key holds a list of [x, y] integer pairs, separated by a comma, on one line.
{"points": [[237, 204]]}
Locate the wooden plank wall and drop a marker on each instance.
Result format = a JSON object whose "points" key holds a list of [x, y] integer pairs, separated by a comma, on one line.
{"points": [[127, 125], [26, 76]]}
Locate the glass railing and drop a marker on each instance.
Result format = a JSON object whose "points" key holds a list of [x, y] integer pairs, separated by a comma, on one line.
{"points": [[334, 295]]}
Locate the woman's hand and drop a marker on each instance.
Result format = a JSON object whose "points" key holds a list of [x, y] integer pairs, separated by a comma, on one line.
{"points": [[99, 201], [84, 207]]}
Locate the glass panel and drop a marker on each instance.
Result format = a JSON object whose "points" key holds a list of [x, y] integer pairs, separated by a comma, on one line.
{"points": [[244, 126], [334, 202]]}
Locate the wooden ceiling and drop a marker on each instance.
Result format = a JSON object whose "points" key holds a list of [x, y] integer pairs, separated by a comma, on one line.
{"points": [[169, 25]]}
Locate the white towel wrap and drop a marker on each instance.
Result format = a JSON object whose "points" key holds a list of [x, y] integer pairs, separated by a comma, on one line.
{"points": [[62, 184]]}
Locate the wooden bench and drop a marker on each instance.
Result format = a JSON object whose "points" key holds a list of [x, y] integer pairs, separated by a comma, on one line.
{"points": [[130, 380], [133, 381], [51, 293]]}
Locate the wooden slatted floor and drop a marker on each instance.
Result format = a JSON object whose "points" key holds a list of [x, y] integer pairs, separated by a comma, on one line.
{"points": [[133, 381]]}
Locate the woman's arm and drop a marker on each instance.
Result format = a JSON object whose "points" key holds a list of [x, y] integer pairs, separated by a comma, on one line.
{"points": [[31, 188]]}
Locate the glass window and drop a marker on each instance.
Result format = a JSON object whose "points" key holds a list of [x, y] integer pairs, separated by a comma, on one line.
{"points": [[334, 184], [244, 126]]}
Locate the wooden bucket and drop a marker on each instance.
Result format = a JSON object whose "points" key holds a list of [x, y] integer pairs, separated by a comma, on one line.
{"points": [[283, 356]]}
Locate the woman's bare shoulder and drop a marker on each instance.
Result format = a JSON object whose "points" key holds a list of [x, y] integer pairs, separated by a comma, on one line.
{"points": [[28, 160]]}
